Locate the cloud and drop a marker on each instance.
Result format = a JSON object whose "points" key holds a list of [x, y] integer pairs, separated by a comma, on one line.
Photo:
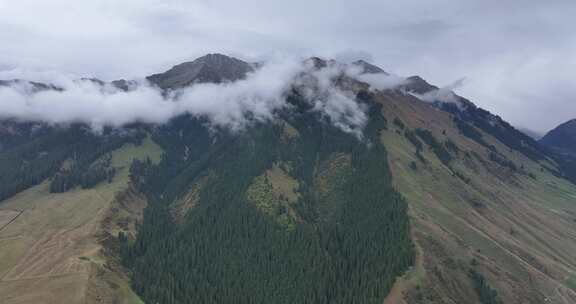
{"points": [[233, 105], [55, 77], [339, 107], [382, 81], [377, 81], [444, 94], [86, 102], [258, 96], [440, 40]]}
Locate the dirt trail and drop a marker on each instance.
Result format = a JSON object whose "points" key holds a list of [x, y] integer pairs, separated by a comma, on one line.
{"points": [[7, 217]]}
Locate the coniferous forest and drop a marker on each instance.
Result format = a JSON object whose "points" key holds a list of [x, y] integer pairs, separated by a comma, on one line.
{"points": [[32, 156], [350, 241]]}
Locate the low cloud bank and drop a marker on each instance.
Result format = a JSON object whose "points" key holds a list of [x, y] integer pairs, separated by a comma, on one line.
{"points": [[232, 105], [444, 94], [86, 102]]}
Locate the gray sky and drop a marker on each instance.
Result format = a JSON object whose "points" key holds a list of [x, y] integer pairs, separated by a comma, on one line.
{"points": [[518, 56]]}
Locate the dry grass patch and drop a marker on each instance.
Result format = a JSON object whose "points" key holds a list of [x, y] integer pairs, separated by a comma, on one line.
{"points": [[180, 207], [283, 185], [273, 193]]}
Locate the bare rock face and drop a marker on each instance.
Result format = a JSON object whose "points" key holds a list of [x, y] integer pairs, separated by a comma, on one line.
{"points": [[215, 68]]}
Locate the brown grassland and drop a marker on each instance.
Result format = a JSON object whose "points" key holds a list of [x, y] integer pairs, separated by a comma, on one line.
{"points": [[52, 252]]}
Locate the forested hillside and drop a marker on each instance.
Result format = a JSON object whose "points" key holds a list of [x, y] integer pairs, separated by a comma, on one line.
{"points": [[66, 155], [340, 236]]}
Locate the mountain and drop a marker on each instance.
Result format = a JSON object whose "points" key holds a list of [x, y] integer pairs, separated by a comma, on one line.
{"points": [[417, 84], [369, 68], [215, 68], [562, 144], [562, 138], [534, 134], [438, 201]]}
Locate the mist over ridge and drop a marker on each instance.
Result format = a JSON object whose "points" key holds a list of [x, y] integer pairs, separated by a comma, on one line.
{"points": [[226, 91]]}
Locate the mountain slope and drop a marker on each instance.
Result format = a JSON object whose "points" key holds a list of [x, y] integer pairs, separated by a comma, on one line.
{"points": [[562, 138], [369, 68], [561, 143], [505, 217]]}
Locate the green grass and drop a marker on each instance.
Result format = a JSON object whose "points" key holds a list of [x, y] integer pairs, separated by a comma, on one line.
{"points": [[123, 157], [571, 283], [128, 296], [127, 153]]}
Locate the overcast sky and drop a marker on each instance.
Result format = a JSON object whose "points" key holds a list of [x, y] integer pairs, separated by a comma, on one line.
{"points": [[518, 56]]}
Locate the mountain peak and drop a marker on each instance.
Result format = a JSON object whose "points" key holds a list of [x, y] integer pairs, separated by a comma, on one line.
{"points": [[216, 68], [369, 68], [320, 63], [418, 85]]}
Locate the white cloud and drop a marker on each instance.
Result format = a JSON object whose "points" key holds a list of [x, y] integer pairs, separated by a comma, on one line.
{"points": [[382, 81], [438, 40], [84, 101], [444, 94], [232, 105], [340, 107], [258, 96]]}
